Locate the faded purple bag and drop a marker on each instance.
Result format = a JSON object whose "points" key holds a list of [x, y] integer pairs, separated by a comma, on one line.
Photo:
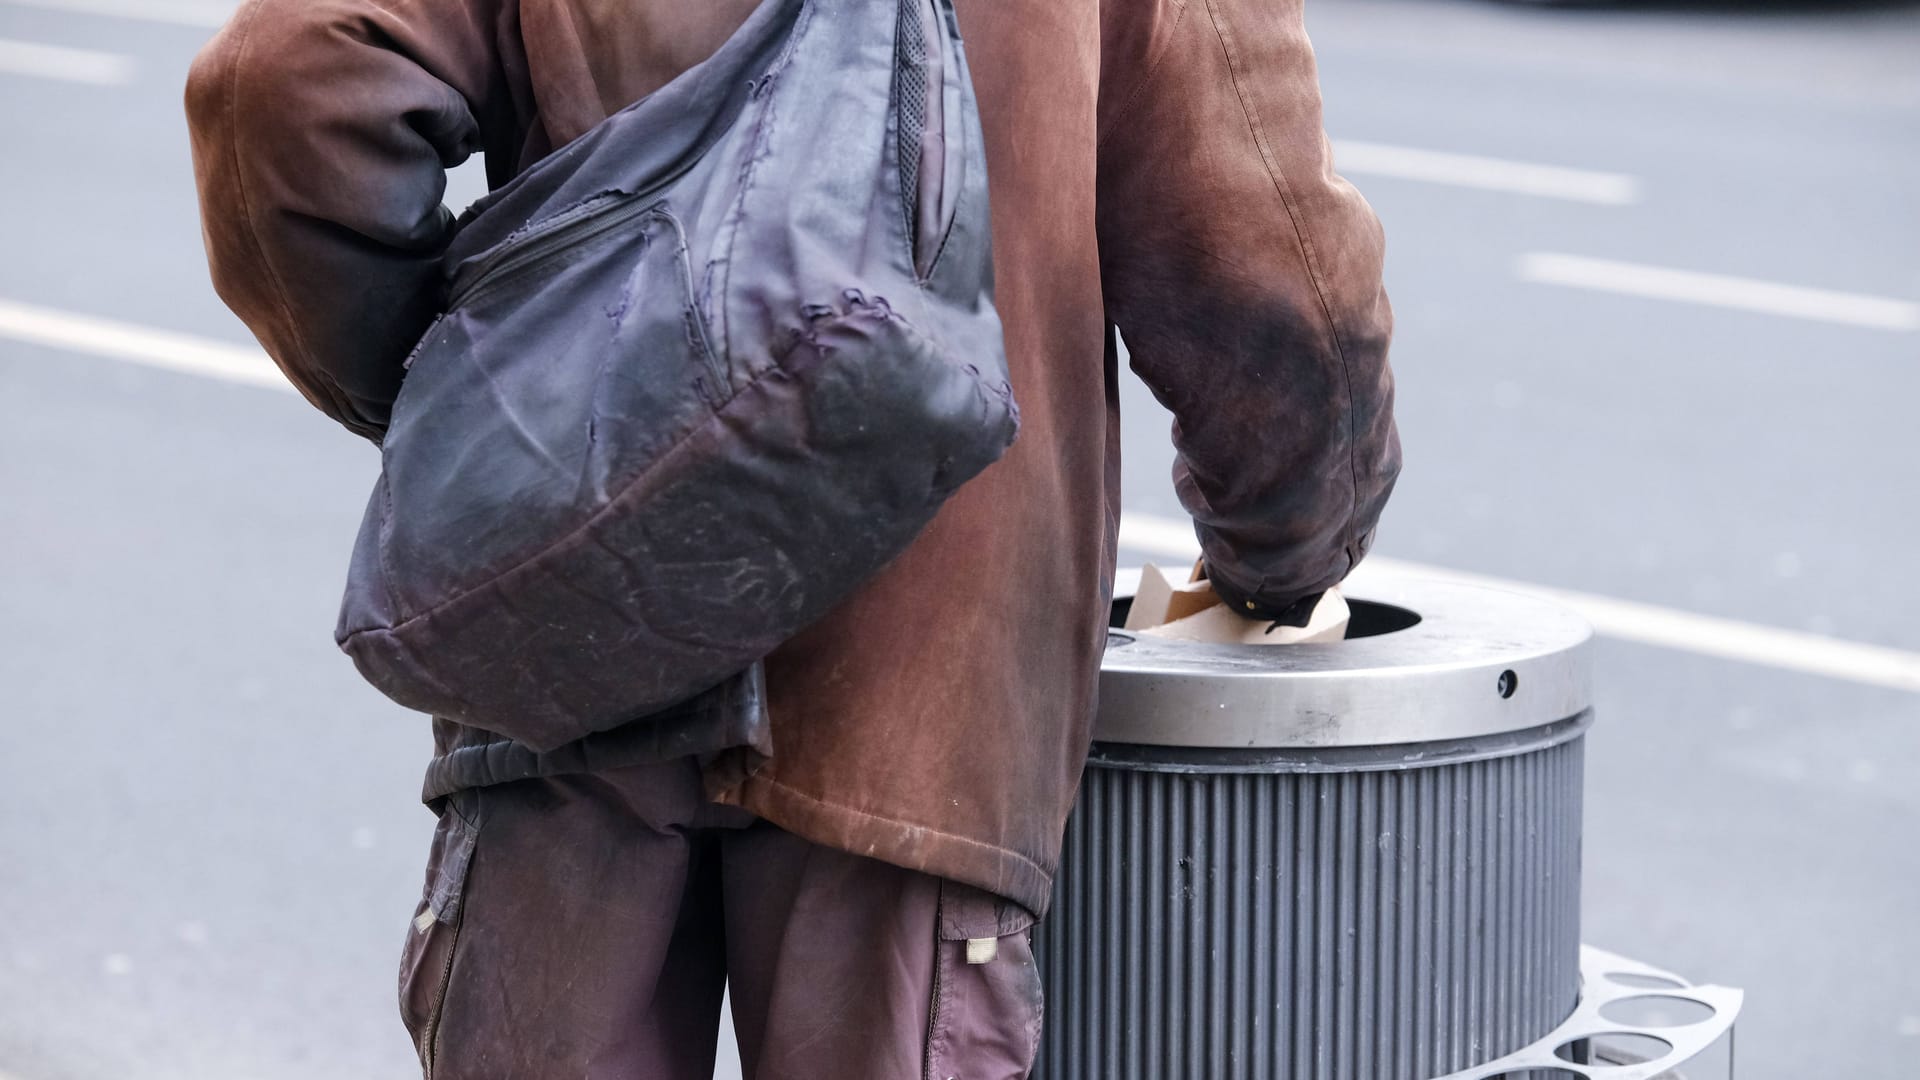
{"points": [[700, 373]]}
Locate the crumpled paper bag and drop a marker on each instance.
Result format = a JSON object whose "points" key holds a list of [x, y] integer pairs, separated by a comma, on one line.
{"points": [[1192, 611]]}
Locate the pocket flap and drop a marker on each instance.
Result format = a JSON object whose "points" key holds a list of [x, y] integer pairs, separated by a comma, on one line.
{"points": [[967, 913], [452, 854]]}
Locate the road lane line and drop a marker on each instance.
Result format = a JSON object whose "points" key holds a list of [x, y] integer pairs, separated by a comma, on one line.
{"points": [[140, 344], [1485, 173], [1716, 290], [177, 13], [57, 62], [1646, 624]]}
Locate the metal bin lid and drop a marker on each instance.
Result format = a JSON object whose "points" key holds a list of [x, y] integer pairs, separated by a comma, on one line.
{"points": [[1475, 662]]}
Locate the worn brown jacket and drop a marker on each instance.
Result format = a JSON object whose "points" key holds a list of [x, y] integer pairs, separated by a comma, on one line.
{"points": [[1155, 165]]}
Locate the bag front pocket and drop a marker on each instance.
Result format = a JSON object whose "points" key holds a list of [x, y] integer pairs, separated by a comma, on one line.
{"points": [[426, 963], [565, 235]]}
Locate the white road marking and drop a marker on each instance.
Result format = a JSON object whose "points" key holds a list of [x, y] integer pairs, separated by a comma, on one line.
{"points": [[1169, 538], [58, 62], [1485, 173], [142, 345], [1646, 624], [175, 12], [1716, 290]]}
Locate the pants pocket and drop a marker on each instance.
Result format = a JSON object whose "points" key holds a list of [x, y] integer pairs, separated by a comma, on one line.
{"points": [[985, 1015], [426, 963]]}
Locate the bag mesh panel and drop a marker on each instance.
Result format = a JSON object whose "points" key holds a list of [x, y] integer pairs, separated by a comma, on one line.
{"points": [[910, 80]]}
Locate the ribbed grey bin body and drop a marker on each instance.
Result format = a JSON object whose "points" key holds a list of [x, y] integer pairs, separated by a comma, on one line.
{"points": [[1300, 903]]}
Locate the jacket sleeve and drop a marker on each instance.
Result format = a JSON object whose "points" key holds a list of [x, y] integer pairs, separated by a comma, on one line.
{"points": [[1245, 278], [321, 133]]}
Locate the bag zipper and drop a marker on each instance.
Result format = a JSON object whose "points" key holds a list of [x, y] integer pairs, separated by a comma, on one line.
{"points": [[516, 257], [508, 257], [580, 226]]}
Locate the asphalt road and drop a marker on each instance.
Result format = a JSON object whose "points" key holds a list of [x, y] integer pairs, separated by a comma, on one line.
{"points": [[209, 842]]}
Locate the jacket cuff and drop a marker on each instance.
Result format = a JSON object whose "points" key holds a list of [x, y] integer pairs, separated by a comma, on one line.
{"points": [[1282, 609]]}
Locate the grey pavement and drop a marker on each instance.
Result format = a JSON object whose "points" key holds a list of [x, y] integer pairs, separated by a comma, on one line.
{"points": [[209, 838]]}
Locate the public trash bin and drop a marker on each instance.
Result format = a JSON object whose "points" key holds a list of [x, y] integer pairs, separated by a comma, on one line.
{"points": [[1350, 861]]}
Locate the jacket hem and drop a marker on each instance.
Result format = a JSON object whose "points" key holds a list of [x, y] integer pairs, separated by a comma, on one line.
{"points": [[986, 866]]}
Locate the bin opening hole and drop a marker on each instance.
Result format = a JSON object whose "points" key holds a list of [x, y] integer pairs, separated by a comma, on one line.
{"points": [[1368, 618], [1509, 682], [1614, 1048], [1643, 982], [1656, 1011]]}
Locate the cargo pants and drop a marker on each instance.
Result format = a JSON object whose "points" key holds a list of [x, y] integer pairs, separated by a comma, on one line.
{"points": [[586, 926]]}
